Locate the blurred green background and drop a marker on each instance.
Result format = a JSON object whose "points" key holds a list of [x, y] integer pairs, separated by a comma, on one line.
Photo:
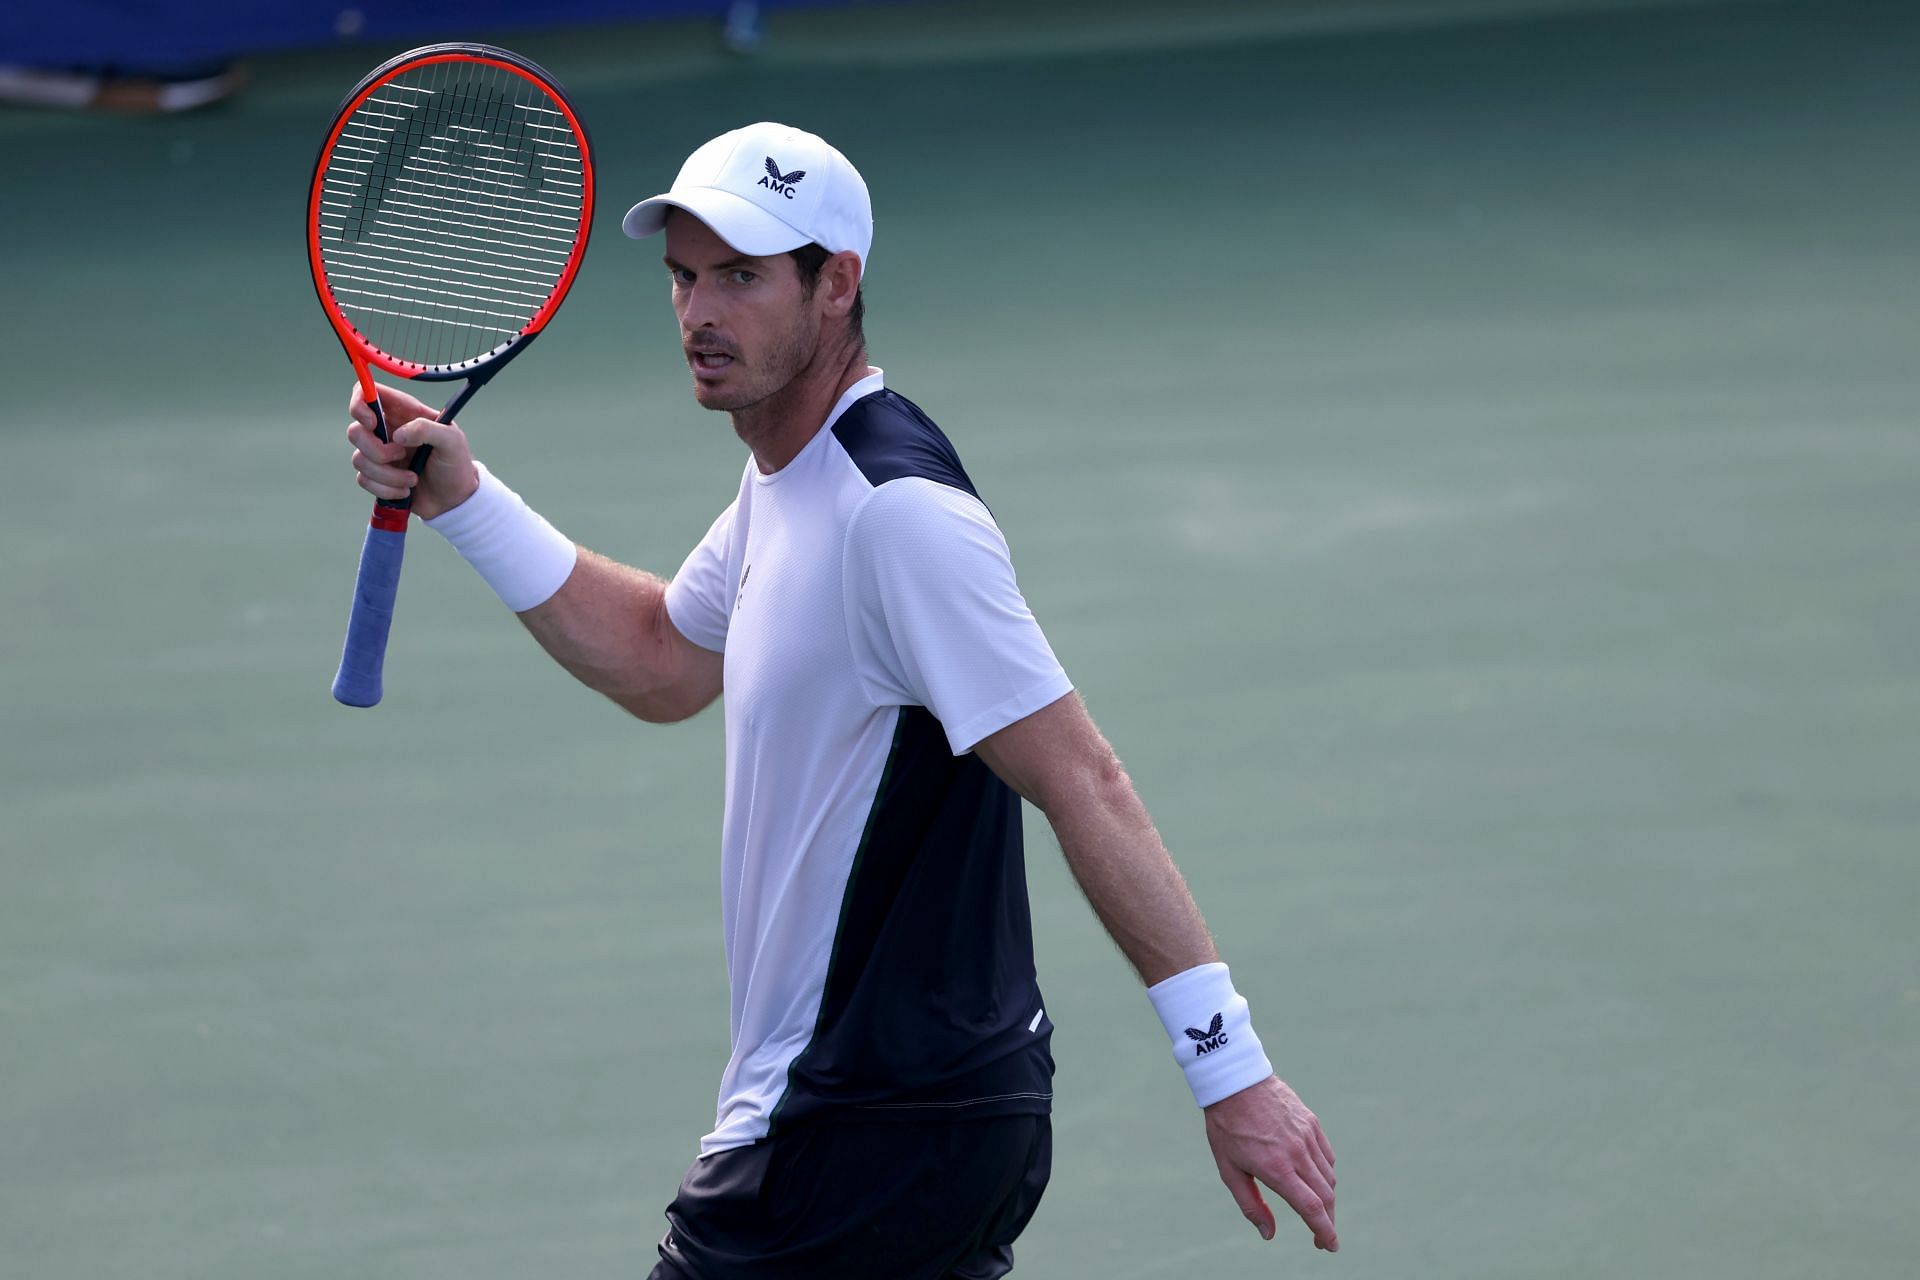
{"points": [[1465, 454]]}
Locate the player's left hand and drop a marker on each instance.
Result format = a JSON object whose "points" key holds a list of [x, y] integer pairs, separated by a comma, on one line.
{"points": [[1267, 1133]]}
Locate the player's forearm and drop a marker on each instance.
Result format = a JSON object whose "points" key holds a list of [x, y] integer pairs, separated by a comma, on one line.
{"points": [[608, 626], [1057, 759], [1131, 882], [606, 623]]}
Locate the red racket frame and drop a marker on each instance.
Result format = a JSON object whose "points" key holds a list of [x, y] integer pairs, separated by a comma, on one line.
{"points": [[359, 349]]}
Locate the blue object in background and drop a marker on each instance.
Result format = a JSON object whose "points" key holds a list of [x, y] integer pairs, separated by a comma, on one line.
{"points": [[158, 36]]}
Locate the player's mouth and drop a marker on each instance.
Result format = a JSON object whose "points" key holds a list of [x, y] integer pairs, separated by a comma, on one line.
{"points": [[709, 359]]}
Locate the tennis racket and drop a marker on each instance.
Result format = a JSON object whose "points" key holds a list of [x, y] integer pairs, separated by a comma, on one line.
{"points": [[448, 216]]}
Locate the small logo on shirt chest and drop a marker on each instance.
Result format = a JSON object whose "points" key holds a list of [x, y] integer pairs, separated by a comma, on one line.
{"points": [[741, 593]]}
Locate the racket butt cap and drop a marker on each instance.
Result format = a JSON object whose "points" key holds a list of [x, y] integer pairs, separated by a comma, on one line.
{"points": [[351, 692]]}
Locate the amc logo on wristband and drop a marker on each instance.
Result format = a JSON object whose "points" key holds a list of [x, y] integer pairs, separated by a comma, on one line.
{"points": [[1210, 1039]]}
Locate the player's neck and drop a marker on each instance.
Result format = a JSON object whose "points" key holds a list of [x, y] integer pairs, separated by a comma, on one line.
{"points": [[779, 427]]}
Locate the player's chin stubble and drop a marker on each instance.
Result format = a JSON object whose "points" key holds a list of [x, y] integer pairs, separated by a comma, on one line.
{"points": [[783, 362]]}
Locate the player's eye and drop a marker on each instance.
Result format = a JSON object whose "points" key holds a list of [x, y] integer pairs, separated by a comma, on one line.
{"points": [[680, 275], [742, 277]]}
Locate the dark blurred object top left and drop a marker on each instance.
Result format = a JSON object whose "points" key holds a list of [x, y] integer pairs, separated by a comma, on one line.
{"points": [[125, 90], [165, 55], [149, 34]]}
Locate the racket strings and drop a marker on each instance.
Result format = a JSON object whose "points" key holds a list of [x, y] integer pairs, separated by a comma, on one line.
{"points": [[452, 199]]}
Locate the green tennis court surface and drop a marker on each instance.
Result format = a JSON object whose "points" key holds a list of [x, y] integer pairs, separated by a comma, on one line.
{"points": [[1467, 464]]}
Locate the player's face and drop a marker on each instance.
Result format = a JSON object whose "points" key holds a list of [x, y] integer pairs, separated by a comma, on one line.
{"points": [[747, 326]]}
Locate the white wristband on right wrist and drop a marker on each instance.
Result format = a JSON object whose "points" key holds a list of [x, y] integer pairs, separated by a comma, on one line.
{"points": [[1212, 1033], [522, 557]]}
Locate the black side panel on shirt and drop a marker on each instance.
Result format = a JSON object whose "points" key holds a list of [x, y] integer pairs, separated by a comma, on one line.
{"points": [[888, 438], [931, 1006]]}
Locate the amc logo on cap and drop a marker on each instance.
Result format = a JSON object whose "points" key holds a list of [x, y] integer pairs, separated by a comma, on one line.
{"points": [[780, 183]]}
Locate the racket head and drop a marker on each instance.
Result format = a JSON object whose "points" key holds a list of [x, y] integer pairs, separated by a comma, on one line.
{"points": [[449, 211]]}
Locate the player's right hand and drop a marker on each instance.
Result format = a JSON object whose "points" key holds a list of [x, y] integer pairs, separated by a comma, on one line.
{"points": [[450, 478]]}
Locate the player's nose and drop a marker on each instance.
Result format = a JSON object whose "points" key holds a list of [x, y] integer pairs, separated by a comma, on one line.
{"points": [[700, 307]]}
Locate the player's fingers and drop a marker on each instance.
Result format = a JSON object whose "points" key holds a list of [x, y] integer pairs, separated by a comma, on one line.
{"points": [[1311, 1174], [361, 437], [360, 411], [379, 490], [1246, 1194], [1317, 1153], [395, 406], [401, 407], [398, 480], [1314, 1210], [1296, 1161], [440, 435], [1320, 1140], [387, 474]]}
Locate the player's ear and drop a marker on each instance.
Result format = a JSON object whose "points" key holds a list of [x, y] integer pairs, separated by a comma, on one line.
{"points": [[841, 276]]}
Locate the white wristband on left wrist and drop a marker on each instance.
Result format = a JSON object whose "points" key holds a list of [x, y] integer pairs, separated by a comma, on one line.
{"points": [[1212, 1032]]}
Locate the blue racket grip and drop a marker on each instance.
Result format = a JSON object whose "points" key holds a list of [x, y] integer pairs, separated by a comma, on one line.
{"points": [[358, 682]]}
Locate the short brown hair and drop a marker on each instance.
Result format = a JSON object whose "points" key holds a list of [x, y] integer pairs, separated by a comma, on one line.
{"points": [[810, 258]]}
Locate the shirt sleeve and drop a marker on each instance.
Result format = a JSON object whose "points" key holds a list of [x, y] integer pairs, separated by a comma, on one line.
{"points": [[700, 597], [936, 617]]}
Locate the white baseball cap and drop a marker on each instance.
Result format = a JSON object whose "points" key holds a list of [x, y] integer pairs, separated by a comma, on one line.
{"points": [[765, 189]]}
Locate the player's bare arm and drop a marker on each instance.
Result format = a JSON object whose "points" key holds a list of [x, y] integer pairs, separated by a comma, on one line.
{"points": [[1058, 760], [1061, 764], [607, 625]]}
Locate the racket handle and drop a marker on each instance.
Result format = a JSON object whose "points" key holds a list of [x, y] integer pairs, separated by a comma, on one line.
{"points": [[358, 682]]}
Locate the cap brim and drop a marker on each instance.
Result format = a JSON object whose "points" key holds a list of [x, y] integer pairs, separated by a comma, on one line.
{"points": [[740, 222]]}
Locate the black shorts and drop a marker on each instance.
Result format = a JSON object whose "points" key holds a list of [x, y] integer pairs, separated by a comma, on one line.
{"points": [[908, 1200]]}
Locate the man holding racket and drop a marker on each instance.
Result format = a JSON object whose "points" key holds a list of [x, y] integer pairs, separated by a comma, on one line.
{"points": [[890, 699]]}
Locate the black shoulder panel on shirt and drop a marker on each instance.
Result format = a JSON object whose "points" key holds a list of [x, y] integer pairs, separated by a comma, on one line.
{"points": [[888, 438]]}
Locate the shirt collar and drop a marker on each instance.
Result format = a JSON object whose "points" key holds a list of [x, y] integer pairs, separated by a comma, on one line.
{"points": [[875, 381]]}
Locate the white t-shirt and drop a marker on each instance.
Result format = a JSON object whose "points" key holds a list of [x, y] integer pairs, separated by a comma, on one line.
{"points": [[878, 941]]}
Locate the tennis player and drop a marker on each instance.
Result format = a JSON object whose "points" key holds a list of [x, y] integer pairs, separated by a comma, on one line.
{"points": [[890, 700]]}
